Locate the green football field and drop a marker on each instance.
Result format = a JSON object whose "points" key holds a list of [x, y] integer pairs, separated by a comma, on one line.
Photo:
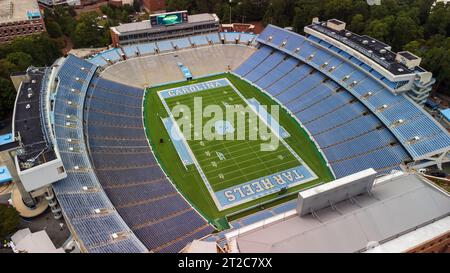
{"points": [[226, 163], [242, 160]]}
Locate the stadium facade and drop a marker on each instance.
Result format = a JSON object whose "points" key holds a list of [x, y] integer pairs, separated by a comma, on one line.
{"points": [[158, 28], [358, 101]]}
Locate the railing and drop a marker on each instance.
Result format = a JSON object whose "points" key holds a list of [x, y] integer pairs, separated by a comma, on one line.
{"points": [[46, 129]]}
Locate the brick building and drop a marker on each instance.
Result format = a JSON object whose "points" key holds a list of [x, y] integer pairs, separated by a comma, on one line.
{"points": [[19, 18], [154, 5]]}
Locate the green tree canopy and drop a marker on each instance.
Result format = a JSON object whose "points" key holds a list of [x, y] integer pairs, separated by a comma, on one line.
{"points": [[53, 29], [20, 59], [9, 218]]}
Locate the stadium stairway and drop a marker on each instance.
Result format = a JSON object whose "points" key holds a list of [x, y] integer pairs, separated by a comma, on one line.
{"points": [[419, 134], [129, 173], [116, 198], [336, 120]]}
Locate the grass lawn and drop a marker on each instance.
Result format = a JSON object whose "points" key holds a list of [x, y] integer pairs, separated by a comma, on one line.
{"points": [[244, 160]]}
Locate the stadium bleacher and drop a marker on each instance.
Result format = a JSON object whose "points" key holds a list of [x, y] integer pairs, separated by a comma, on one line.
{"points": [[199, 40], [124, 181], [338, 123], [78, 204], [98, 60], [147, 48], [213, 38], [349, 113], [131, 51], [164, 45], [425, 140], [113, 55], [129, 173], [182, 43]]}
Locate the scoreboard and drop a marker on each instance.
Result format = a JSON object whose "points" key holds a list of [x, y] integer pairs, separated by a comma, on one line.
{"points": [[168, 19]]}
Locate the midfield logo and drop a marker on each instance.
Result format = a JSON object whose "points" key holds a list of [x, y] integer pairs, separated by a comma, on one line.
{"points": [[231, 125]]}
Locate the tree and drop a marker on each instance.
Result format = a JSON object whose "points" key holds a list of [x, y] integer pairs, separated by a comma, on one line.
{"points": [[380, 29], [404, 30], [6, 68], [9, 220], [339, 9], [438, 21], [21, 60], [305, 11], [279, 12], [387, 8], [17, 56], [53, 29], [137, 4], [89, 33], [173, 5], [357, 24], [436, 58]]}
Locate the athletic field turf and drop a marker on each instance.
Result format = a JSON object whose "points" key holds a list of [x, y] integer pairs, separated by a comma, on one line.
{"points": [[229, 175]]}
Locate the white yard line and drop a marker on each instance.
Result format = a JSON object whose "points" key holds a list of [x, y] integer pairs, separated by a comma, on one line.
{"points": [[203, 174]]}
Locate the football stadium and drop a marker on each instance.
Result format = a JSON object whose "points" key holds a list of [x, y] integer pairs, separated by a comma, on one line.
{"points": [[201, 140]]}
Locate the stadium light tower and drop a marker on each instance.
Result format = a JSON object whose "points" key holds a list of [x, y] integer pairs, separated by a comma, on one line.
{"points": [[230, 10], [231, 1]]}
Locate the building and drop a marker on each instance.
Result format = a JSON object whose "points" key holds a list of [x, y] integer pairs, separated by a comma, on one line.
{"points": [[400, 72], [51, 3], [19, 18], [76, 3], [154, 5], [445, 115], [37, 161], [238, 27], [86, 107], [358, 213], [441, 1], [164, 26], [25, 241]]}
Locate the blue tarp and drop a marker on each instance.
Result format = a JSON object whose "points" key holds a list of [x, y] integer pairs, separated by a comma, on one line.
{"points": [[33, 14], [5, 176], [446, 114], [5, 139]]}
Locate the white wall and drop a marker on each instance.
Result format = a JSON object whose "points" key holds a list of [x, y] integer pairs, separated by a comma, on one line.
{"points": [[42, 175]]}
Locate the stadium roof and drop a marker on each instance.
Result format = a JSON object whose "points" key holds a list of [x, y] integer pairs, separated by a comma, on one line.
{"points": [[27, 122], [5, 176], [397, 205], [143, 25], [371, 47]]}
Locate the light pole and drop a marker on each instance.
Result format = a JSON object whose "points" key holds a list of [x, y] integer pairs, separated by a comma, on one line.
{"points": [[230, 10]]}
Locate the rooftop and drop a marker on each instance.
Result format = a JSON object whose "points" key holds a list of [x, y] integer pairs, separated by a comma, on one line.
{"points": [[18, 10], [370, 47], [38, 242], [143, 25], [395, 206], [7, 142], [5, 139], [408, 55], [27, 123], [5, 175], [446, 113]]}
